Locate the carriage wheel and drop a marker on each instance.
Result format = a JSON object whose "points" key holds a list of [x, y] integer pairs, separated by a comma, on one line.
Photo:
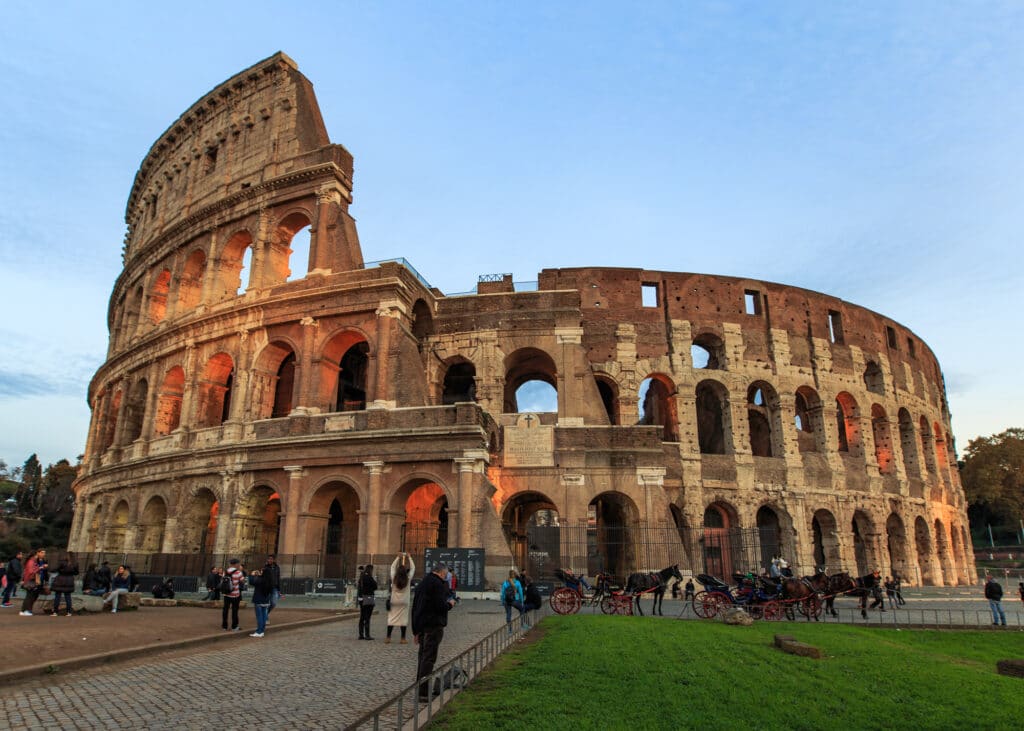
{"points": [[756, 611], [773, 611], [564, 601], [624, 605], [710, 603], [609, 605]]}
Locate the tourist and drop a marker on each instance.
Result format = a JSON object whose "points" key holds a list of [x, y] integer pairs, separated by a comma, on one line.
{"points": [[13, 574], [275, 577], [897, 585], [402, 570], [105, 577], [120, 583], [365, 590], [133, 583], [64, 584], [213, 584], [890, 592], [262, 582], [511, 597], [232, 592], [32, 581], [164, 590], [994, 594], [430, 607], [1020, 590], [688, 590]]}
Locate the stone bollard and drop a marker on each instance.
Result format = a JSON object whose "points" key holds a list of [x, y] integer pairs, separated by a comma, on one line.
{"points": [[1012, 668]]}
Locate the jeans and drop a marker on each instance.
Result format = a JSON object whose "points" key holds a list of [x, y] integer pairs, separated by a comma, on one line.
{"points": [[275, 597], [262, 610], [996, 606], [9, 589], [56, 600], [94, 592], [508, 610], [230, 602], [365, 612], [113, 597]]}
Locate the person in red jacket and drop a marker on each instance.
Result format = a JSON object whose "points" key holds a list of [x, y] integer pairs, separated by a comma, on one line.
{"points": [[32, 581]]}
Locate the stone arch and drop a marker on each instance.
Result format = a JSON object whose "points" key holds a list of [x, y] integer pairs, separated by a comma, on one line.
{"points": [[285, 261], [896, 544], [344, 371], [825, 540], [331, 527], [258, 516], [809, 421], [135, 410], [215, 391], [848, 425], [721, 554], [770, 535], [658, 405], [863, 529], [422, 321], [943, 553], [198, 522], [614, 546], [158, 293], [118, 527], [423, 504], [882, 433], [459, 382], [530, 522], [923, 544], [152, 525], [714, 420], [190, 283], [908, 444], [237, 250], [608, 390], [94, 540], [708, 351], [524, 366], [874, 381], [275, 380], [764, 420], [168, 403]]}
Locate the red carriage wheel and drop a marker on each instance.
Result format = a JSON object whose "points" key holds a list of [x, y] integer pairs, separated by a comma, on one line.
{"points": [[773, 611], [624, 605], [712, 603], [608, 605], [564, 601]]}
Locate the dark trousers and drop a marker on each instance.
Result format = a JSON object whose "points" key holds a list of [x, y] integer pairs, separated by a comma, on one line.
{"points": [[56, 600], [365, 611], [9, 589], [230, 602], [30, 598], [430, 641]]}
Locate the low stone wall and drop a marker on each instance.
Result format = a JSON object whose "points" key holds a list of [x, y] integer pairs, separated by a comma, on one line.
{"points": [[89, 603]]}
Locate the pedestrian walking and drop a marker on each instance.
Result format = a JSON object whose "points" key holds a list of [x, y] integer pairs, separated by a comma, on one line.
{"points": [[275, 580], [890, 592], [365, 591], [64, 584], [430, 606], [231, 588], [402, 571], [262, 582], [532, 593], [13, 573], [898, 588], [511, 597], [32, 581], [120, 584], [994, 594]]}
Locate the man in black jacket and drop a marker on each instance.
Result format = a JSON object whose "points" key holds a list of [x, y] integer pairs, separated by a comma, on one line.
{"points": [[13, 573], [430, 608], [994, 594]]}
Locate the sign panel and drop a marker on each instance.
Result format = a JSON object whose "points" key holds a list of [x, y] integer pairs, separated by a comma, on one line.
{"points": [[529, 444], [466, 563]]}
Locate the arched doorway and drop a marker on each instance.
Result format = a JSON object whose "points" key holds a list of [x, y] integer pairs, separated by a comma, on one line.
{"points": [[896, 540], [531, 527], [825, 537], [658, 405], [769, 536], [199, 523], [423, 507], [862, 532], [118, 526], [260, 517], [942, 551], [152, 525], [332, 528], [720, 521], [611, 544]]}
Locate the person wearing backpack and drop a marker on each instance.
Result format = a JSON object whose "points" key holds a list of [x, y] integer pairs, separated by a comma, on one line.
{"points": [[231, 589], [512, 596], [365, 591], [13, 574]]}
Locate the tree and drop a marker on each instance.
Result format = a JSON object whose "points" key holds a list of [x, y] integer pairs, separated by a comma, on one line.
{"points": [[31, 481], [993, 478]]}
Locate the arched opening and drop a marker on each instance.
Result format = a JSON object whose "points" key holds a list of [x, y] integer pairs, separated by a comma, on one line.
{"points": [[158, 297], [708, 351], [190, 284], [762, 417], [769, 535], [530, 524], [658, 406], [424, 507], [152, 525], [245, 272], [422, 322], [714, 425], [132, 314], [896, 541], [284, 386], [873, 379], [848, 425], [344, 366], [198, 525], [923, 544], [882, 434], [720, 519], [612, 546], [168, 404], [810, 426], [908, 445], [135, 410], [608, 390], [927, 447], [233, 276], [459, 382], [941, 457], [825, 539], [862, 532], [118, 526], [531, 382], [292, 239], [259, 519], [214, 396], [332, 528]]}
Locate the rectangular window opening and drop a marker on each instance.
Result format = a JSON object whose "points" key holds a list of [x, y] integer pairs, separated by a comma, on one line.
{"points": [[649, 294], [910, 347], [210, 160], [891, 337], [835, 327], [752, 302]]}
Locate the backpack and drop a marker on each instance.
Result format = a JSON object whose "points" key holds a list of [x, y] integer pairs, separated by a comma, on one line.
{"points": [[226, 585], [509, 594]]}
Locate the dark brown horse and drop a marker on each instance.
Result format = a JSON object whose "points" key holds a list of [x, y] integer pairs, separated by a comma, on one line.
{"points": [[641, 583], [862, 588], [803, 594]]}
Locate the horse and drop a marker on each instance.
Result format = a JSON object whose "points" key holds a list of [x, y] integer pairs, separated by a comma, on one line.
{"points": [[802, 592], [641, 583], [862, 588]]}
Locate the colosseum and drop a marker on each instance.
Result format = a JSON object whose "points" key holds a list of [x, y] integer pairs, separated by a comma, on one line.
{"points": [[266, 389]]}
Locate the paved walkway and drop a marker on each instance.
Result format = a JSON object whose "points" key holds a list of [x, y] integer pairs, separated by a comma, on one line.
{"points": [[317, 677]]}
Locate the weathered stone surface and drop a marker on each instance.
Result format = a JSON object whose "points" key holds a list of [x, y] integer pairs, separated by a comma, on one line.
{"points": [[1013, 668], [736, 617], [148, 601], [779, 639], [799, 648]]}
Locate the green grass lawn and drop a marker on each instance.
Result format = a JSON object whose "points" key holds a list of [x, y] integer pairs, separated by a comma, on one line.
{"points": [[606, 672]]}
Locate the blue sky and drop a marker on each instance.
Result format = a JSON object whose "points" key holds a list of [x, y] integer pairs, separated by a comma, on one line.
{"points": [[871, 151]]}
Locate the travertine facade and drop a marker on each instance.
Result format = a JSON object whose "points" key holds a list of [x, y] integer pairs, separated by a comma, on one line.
{"points": [[243, 406]]}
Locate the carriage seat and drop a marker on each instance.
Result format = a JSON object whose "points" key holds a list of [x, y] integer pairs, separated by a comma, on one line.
{"points": [[711, 583]]}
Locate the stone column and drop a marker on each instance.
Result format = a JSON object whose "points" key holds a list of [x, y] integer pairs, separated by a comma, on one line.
{"points": [[210, 276], [469, 465], [321, 254], [569, 339], [188, 418], [226, 513], [374, 498], [306, 399], [380, 394], [289, 539]]}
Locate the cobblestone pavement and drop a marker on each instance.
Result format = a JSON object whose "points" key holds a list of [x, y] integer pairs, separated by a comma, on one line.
{"points": [[317, 677]]}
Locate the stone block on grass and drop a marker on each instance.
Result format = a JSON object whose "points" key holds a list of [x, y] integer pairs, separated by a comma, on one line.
{"points": [[1012, 668], [800, 648]]}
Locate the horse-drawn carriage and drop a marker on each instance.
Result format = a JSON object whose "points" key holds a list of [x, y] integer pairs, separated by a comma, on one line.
{"points": [[607, 593], [761, 599]]}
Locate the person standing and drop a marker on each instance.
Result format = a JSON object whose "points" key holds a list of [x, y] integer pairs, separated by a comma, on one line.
{"points": [[994, 594], [365, 592], [688, 593], [402, 571], [511, 596], [430, 607], [13, 573], [213, 584], [32, 581], [64, 584], [274, 570], [532, 593], [120, 584], [1020, 590], [233, 598], [262, 582]]}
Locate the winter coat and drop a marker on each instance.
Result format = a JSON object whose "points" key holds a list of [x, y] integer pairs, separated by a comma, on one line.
{"points": [[398, 615], [64, 581], [430, 604], [993, 590]]}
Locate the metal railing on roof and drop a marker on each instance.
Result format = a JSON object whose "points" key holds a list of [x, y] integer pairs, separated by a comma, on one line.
{"points": [[404, 262]]}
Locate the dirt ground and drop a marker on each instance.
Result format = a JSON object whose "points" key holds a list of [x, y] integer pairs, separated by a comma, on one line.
{"points": [[44, 639]]}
